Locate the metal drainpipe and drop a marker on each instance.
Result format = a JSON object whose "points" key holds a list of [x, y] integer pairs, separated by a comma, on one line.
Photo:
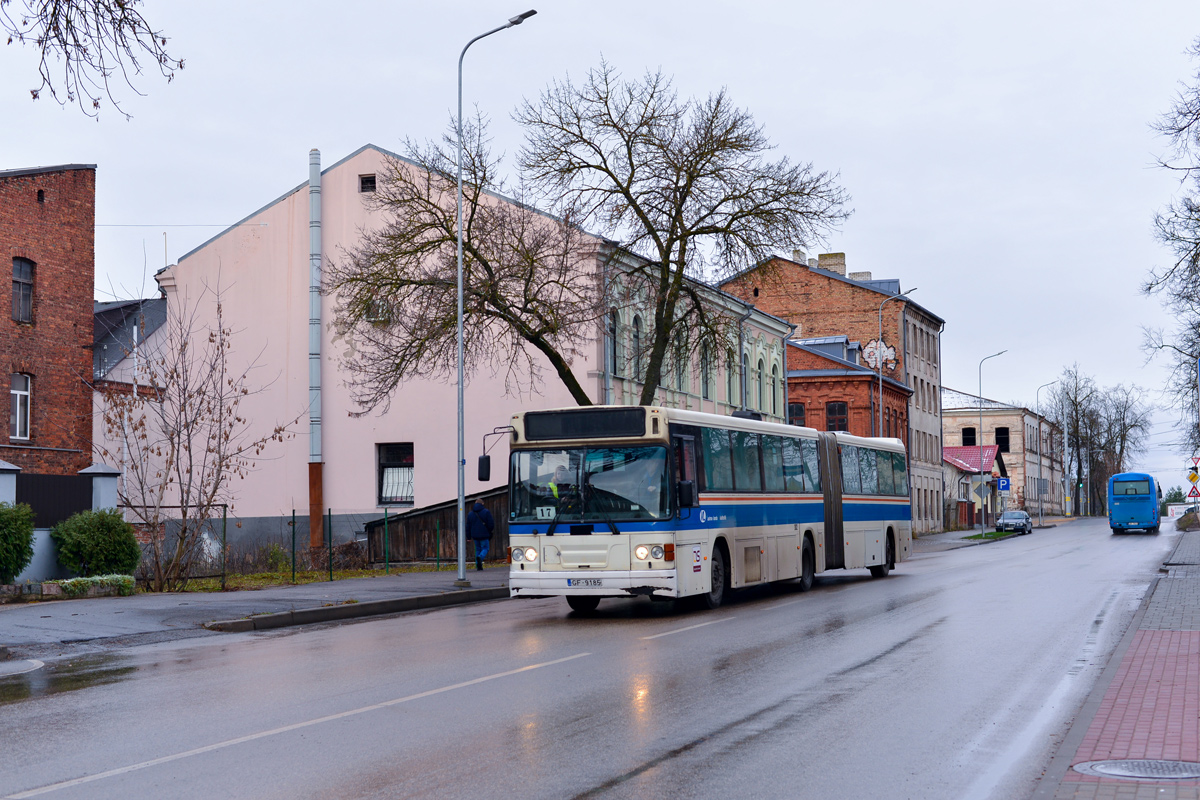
{"points": [[316, 487]]}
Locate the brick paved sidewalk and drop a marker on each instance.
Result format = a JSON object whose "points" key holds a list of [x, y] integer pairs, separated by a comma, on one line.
{"points": [[1151, 707]]}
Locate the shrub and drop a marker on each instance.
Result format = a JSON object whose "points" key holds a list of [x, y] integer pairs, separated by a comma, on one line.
{"points": [[78, 587], [1187, 522], [97, 543], [16, 540]]}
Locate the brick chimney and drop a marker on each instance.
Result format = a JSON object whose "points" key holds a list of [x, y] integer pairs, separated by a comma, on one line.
{"points": [[834, 262], [799, 257], [859, 276]]}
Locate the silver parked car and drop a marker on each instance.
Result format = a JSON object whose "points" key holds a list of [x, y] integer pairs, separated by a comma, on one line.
{"points": [[1017, 521]]}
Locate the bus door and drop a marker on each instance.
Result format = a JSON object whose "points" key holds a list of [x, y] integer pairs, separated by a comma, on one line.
{"points": [[684, 448], [831, 482]]}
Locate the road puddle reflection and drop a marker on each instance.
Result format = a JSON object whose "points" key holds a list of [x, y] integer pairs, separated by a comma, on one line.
{"points": [[66, 676]]}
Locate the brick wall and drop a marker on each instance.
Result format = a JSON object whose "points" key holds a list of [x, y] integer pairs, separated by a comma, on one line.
{"points": [[57, 234]]}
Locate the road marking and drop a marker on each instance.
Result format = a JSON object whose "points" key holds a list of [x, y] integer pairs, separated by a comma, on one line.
{"points": [[36, 665], [688, 628], [284, 729]]}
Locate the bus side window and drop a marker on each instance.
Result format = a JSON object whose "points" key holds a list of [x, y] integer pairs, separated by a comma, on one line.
{"points": [[899, 470], [869, 469], [774, 463], [851, 475], [793, 465], [685, 459], [812, 465]]}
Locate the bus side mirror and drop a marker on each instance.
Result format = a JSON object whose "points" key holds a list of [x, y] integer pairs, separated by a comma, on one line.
{"points": [[485, 468], [686, 491]]}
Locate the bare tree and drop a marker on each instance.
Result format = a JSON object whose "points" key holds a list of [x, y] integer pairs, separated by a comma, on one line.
{"points": [[88, 44], [684, 184], [176, 427], [1074, 400], [1178, 227], [525, 286]]}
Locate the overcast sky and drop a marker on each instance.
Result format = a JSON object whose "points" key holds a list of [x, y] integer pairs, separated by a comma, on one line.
{"points": [[999, 157]]}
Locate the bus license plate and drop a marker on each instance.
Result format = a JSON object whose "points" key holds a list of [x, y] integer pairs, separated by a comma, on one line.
{"points": [[593, 582]]}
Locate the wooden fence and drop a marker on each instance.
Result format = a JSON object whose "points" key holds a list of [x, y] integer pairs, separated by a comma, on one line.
{"points": [[424, 534]]}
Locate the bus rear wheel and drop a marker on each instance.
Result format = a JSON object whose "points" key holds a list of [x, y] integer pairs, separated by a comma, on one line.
{"points": [[583, 604], [808, 566], [889, 560], [719, 572]]}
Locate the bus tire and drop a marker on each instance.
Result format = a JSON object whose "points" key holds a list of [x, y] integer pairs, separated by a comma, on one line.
{"points": [[889, 560], [719, 572], [1154, 530], [808, 565], [582, 603]]}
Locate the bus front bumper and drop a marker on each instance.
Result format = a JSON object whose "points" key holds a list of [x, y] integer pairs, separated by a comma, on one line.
{"points": [[606, 583]]}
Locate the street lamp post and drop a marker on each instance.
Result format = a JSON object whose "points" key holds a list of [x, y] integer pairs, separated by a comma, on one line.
{"points": [[979, 434], [1038, 402], [462, 459], [879, 354]]}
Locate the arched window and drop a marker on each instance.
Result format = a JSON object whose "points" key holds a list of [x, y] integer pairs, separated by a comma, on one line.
{"points": [[775, 389], [637, 348], [730, 369], [743, 378], [614, 343], [705, 373], [761, 381]]}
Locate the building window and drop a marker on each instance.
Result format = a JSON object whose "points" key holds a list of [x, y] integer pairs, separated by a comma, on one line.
{"points": [[743, 387], [681, 365], [762, 386], [729, 370], [705, 373], [366, 183], [837, 417], [637, 348], [614, 350], [22, 294], [968, 437], [796, 413], [18, 420], [395, 473], [775, 390], [41, 195], [1002, 439]]}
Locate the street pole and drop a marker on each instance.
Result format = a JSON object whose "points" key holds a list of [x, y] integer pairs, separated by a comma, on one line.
{"points": [[979, 435], [462, 458], [879, 354], [1038, 402]]}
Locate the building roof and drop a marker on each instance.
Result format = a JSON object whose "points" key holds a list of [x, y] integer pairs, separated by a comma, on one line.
{"points": [[967, 458], [838, 367], [954, 399], [882, 286], [114, 324], [16, 173]]}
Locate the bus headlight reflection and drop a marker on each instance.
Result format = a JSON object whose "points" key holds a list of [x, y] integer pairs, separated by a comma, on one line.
{"points": [[642, 552]]}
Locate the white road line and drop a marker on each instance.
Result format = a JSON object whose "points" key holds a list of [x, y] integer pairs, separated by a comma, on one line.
{"points": [[286, 728], [688, 628], [36, 665]]}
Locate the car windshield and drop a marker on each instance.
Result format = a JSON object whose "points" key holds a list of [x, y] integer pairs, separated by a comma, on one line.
{"points": [[1013, 515], [595, 484]]}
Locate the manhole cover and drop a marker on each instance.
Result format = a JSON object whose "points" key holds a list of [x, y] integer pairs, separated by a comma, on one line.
{"points": [[1141, 769]]}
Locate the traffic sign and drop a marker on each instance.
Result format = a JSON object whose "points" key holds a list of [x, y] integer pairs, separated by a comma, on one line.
{"points": [[1193, 476], [1196, 461], [1194, 492], [1002, 484]]}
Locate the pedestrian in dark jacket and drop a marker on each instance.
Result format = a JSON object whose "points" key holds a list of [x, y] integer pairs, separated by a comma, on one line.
{"points": [[480, 525]]}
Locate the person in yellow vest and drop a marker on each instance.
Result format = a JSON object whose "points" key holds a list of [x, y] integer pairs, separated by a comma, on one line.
{"points": [[559, 480]]}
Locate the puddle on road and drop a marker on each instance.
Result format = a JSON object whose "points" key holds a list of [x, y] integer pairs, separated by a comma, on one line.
{"points": [[65, 676]]}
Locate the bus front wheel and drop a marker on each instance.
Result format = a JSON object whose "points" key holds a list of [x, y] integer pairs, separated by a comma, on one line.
{"points": [[720, 579], [583, 604]]}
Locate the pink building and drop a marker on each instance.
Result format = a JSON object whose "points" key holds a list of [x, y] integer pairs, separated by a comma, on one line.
{"points": [[406, 456]]}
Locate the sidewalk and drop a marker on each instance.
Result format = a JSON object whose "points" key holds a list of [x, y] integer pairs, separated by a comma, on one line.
{"points": [[952, 540], [1141, 723], [52, 628]]}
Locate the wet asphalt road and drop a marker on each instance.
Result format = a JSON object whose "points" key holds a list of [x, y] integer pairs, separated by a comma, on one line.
{"points": [[953, 678]]}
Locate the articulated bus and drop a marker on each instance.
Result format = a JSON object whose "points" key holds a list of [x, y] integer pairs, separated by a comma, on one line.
{"points": [[621, 501], [1133, 499]]}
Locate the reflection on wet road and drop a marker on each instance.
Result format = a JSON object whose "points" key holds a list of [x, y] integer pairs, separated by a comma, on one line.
{"points": [[954, 677]]}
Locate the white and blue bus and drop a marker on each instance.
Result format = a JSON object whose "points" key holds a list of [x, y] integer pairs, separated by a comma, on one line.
{"points": [[621, 501], [1133, 499]]}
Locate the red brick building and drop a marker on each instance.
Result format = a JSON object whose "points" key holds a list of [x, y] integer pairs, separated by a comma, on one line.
{"points": [[47, 242], [829, 389], [822, 299]]}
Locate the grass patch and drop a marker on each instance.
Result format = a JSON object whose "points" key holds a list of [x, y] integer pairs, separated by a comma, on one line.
{"points": [[992, 535], [265, 580]]}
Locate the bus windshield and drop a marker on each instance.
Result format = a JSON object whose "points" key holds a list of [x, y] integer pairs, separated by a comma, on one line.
{"points": [[1122, 488], [593, 484]]}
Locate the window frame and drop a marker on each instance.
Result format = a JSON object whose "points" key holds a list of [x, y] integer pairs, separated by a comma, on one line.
{"points": [[16, 404], [382, 465], [22, 291], [844, 416]]}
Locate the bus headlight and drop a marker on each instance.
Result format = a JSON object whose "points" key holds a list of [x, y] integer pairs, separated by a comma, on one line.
{"points": [[642, 552], [530, 554], [518, 554], [657, 552]]}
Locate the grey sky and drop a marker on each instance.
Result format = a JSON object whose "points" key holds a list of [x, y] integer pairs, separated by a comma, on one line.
{"points": [[999, 156]]}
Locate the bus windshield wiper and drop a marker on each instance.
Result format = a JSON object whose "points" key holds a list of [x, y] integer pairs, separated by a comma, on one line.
{"points": [[587, 484]]}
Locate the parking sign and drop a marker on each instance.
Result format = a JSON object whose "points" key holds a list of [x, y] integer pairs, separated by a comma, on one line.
{"points": [[1002, 484]]}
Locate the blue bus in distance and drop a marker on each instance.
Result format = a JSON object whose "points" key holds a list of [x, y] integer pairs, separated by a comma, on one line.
{"points": [[1133, 499]]}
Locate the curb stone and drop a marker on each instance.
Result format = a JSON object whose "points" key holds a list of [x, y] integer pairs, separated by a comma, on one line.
{"points": [[309, 616]]}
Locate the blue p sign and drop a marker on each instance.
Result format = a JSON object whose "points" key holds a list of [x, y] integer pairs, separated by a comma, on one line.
{"points": [[1002, 484]]}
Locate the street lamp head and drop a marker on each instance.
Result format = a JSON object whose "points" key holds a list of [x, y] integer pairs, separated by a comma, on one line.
{"points": [[519, 18]]}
